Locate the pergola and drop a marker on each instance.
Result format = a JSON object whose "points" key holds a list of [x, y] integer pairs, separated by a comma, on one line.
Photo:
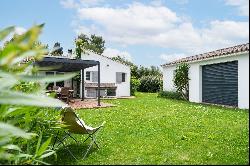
{"points": [[62, 64]]}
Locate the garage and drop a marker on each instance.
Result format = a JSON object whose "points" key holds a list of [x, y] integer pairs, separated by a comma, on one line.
{"points": [[220, 83]]}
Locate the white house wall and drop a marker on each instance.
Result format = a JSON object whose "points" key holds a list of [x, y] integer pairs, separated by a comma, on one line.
{"points": [[195, 75], [108, 69]]}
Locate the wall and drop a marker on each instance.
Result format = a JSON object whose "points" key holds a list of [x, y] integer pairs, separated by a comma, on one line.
{"points": [[195, 75], [108, 72], [168, 75]]}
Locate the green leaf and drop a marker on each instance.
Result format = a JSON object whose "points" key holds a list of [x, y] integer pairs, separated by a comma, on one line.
{"points": [[44, 146], [6, 32], [42, 162], [18, 98], [47, 79], [47, 154], [39, 142], [7, 129], [23, 155], [7, 80], [12, 147]]}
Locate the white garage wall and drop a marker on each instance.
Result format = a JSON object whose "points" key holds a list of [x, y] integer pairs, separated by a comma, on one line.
{"points": [[168, 75], [243, 81], [195, 75]]}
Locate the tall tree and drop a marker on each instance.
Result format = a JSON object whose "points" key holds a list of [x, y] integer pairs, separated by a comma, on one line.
{"points": [[97, 44], [94, 43], [57, 50]]}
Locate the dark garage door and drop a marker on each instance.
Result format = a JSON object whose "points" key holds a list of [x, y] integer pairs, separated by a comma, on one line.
{"points": [[220, 83]]}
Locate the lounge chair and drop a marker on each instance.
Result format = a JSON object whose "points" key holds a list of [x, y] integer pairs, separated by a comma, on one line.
{"points": [[75, 125]]}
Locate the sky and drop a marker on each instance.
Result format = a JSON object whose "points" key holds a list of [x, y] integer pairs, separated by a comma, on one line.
{"points": [[142, 31]]}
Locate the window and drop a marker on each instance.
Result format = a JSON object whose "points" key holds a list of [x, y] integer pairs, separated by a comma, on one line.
{"points": [[49, 73], [94, 76], [50, 85], [123, 77], [88, 75], [120, 77], [61, 83]]}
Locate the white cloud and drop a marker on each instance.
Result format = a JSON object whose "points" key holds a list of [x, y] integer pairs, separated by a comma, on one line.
{"points": [[110, 52], [243, 6], [70, 4], [157, 25], [90, 2], [75, 4], [172, 57], [17, 30]]}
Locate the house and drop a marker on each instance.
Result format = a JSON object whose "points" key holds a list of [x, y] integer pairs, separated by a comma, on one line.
{"points": [[53, 65], [114, 77], [218, 77]]}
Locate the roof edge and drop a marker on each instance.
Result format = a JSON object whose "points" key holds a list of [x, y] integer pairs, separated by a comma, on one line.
{"points": [[241, 48]]}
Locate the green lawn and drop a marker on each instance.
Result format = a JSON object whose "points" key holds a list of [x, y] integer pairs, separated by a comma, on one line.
{"points": [[151, 130]]}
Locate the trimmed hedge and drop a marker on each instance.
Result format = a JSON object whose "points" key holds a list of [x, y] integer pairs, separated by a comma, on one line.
{"points": [[170, 95]]}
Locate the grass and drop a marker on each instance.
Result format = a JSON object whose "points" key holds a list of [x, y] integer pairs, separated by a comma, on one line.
{"points": [[151, 130]]}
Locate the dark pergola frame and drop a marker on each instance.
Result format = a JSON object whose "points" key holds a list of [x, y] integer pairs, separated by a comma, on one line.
{"points": [[62, 64]]}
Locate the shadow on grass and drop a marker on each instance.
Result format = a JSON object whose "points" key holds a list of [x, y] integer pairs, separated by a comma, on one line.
{"points": [[65, 158]]}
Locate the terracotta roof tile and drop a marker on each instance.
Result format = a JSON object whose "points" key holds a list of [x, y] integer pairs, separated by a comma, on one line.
{"points": [[216, 53]]}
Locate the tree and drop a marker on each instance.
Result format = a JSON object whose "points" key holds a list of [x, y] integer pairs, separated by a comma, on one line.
{"points": [[143, 79], [57, 50], [94, 43], [97, 44], [181, 79]]}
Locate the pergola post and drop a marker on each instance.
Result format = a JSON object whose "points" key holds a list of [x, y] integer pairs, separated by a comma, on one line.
{"points": [[82, 74], [99, 80]]}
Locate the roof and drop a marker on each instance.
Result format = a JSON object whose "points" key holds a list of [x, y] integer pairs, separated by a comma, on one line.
{"points": [[216, 53], [64, 64], [90, 51]]}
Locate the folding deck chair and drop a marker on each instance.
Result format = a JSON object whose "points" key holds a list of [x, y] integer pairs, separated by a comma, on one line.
{"points": [[75, 125]]}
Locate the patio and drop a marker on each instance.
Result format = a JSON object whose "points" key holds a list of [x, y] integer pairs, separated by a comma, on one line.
{"points": [[63, 64], [88, 103]]}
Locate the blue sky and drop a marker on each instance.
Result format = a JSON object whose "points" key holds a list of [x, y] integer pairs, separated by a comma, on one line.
{"points": [[146, 32]]}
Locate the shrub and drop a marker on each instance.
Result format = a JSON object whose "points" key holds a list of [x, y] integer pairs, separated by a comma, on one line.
{"points": [[181, 79], [170, 95], [134, 85], [150, 84], [25, 127]]}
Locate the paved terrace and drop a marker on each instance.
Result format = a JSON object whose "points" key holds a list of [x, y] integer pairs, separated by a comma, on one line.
{"points": [[88, 103]]}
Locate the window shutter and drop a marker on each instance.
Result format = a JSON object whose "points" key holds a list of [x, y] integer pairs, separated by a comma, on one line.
{"points": [[94, 76], [118, 77]]}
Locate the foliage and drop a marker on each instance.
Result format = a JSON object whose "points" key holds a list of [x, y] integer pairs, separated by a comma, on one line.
{"points": [[149, 130], [93, 43], [170, 95], [150, 84], [25, 131], [147, 71], [27, 87], [134, 85], [57, 50], [149, 79], [181, 79]]}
